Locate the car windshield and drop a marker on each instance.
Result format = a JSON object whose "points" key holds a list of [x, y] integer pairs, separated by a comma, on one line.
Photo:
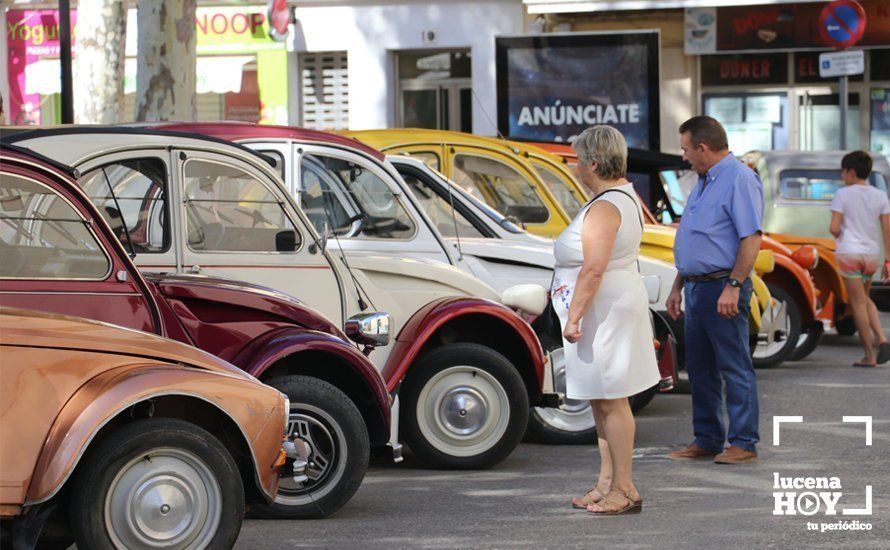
{"points": [[351, 200], [564, 195], [501, 186], [678, 185], [818, 184]]}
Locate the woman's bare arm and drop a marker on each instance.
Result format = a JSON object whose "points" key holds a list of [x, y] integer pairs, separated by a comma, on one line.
{"points": [[598, 234], [835, 227]]}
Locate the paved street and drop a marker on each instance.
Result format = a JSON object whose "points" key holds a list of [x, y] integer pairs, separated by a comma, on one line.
{"points": [[524, 502]]}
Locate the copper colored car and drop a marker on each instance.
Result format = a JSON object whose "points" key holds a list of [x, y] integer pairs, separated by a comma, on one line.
{"points": [[136, 440]]}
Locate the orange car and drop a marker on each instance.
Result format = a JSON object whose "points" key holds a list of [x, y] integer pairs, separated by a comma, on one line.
{"points": [[796, 267], [140, 441]]}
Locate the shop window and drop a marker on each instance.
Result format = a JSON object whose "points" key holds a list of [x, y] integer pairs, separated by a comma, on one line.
{"points": [[880, 120], [501, 186], [229, 210], [819, 117], [351, 200], [132, 197], [753, 121], [325, 85], [43, 237], [818, 185]]}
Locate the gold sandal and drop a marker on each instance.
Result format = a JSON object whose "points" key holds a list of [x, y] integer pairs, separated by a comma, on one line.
{"points": [[633, 506], [586, 500]]}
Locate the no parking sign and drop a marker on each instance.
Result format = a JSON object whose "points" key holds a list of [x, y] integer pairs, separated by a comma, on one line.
{"points": [[842, 23]]}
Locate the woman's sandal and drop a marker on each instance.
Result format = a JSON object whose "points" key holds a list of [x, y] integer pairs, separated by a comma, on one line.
{"points": [[883, 353], [587, 500], [633, 506]]}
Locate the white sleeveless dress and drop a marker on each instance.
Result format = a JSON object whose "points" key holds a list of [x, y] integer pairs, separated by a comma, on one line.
{"points": [[615, 356]]}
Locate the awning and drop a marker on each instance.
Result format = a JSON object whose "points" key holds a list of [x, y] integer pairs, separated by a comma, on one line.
{"points": [[576, 6], [215, 74]]}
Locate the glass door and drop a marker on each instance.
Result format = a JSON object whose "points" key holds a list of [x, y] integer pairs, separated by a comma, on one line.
{"points": [[435, 90], [819, 121]]}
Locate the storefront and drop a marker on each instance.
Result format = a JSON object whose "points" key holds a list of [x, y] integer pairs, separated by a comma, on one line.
{"points": [[242, 73], [755, 68]]}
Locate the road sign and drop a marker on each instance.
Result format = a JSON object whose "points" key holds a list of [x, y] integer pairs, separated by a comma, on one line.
{"points": [[843, 63], [842, 23]]}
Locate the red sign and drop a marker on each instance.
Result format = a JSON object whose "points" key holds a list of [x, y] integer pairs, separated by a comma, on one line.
{"points": [[842, 23]]}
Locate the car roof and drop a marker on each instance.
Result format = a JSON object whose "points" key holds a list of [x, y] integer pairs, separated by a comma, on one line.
{"points": [[104, 138], [35, 159], [246, 131], [395, 137], [778, 160]]}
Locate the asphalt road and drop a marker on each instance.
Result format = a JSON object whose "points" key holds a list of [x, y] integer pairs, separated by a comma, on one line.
{"points": [[524, 501]]}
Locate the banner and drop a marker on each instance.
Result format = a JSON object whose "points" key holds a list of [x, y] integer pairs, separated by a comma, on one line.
{"points": [[551, 87]]}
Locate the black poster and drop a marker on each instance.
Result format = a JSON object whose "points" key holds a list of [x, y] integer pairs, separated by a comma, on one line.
{"points": [[552, 87]]}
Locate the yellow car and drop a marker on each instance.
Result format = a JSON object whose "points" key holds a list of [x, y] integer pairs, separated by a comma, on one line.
{"points": [[522, 180]]}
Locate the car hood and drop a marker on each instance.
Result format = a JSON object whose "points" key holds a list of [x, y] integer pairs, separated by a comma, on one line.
{"points": [[229, 295], [45, 330], [537, 254], [429, 272]]}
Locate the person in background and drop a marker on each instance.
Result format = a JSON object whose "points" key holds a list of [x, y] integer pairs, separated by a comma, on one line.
{"points": [[715, 249], [860, 219], [602, 304]]}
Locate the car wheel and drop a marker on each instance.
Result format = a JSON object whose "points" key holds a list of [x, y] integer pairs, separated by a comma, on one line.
{"points": [[158, 482], [845, 326], [464, 406], [639, 401], [329, 422], [807, 343], [769, 355]]}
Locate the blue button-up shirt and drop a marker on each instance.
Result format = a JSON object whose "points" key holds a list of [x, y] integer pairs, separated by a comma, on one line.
{"points": [[717, 217]]}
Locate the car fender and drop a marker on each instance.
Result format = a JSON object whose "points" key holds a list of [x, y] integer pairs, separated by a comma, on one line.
{"points": [[427, 321], [265, 351], [110, 393], [789, 275]]}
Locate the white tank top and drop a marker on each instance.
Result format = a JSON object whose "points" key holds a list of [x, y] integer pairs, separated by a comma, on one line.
{"points": [[569, 251]]}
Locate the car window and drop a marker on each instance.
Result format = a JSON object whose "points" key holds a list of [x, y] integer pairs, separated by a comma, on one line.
{"points": [[449, 221], [352, 199], [818, 185], [230, 210], [501, 186], [43, 237], [132, 197], [427, 157], [560, 190]]}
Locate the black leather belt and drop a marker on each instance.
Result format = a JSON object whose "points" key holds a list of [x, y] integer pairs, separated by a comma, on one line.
{"points": [[713, 276]]}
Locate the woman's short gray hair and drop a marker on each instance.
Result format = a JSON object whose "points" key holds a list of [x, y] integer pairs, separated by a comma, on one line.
{"points": [[604, 146]]}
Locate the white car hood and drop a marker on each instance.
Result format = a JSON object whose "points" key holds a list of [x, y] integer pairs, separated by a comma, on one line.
{"points": [[528, 253]]}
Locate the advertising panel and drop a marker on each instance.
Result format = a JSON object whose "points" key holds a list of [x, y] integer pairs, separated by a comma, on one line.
{"points": [[551, 87]]}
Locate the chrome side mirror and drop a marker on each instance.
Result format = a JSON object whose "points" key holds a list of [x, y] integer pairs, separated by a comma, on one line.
{"points": [[369, 329]]}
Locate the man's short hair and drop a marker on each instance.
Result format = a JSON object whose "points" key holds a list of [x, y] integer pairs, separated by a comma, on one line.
{"points": [[859, 162], [704, 129]]}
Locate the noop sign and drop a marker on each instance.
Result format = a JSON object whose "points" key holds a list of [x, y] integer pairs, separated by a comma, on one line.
{"points": [[842, 23]]}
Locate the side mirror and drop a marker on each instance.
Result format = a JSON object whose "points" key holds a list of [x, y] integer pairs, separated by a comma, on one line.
{"points": [[369, 329]]}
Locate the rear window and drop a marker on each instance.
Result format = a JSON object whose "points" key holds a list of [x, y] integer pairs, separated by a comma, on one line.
{"points": [[818, 184]]}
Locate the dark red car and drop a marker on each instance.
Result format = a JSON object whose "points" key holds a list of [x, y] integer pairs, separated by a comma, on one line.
{"points": [[57, 254]]}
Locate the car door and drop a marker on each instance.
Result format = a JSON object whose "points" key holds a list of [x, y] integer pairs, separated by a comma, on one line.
{"points": [[53, 258], [234, 221], [364, 207]]}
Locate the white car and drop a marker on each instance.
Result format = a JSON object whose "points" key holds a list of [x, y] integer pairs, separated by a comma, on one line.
{"points": [[462, 369]]}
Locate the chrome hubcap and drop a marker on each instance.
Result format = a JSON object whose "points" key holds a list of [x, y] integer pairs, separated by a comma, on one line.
{"points": [[765, 350], [463, 411], [573, 415], [167, 498]]}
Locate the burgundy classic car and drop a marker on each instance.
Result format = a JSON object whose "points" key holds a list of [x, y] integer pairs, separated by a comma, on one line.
{"points": [[57, 254]]}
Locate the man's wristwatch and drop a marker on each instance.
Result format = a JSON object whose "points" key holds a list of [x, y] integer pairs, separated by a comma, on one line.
{"points": [[735, 283]]}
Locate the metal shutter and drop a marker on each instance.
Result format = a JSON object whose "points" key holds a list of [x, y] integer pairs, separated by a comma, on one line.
{"points": [[325, 90]]}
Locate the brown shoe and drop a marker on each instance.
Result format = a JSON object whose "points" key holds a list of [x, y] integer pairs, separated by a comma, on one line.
{"points": [[735, 455], [692, 452]]}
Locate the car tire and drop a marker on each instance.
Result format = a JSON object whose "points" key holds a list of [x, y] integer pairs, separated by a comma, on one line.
{"points": [[464, 406], [770, 356], [639, 401], [139, 462], [329, 421], [807, 343], [845, 326]]}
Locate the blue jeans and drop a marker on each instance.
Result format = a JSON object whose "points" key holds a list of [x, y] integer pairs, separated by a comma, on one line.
{"points": [[717, 351]]}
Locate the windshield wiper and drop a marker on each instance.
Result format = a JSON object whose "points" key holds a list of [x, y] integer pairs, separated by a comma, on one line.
{"points": [[120, 213]]}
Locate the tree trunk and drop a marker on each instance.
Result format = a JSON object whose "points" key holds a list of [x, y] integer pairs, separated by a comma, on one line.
{"points": [[99, 62], [165, 77]]}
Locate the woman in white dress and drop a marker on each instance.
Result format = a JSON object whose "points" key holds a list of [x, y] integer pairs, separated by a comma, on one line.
{"points": [[601, 301]]}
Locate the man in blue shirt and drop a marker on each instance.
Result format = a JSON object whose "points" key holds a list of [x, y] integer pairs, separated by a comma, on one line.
{"points": [[715, 250]]}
